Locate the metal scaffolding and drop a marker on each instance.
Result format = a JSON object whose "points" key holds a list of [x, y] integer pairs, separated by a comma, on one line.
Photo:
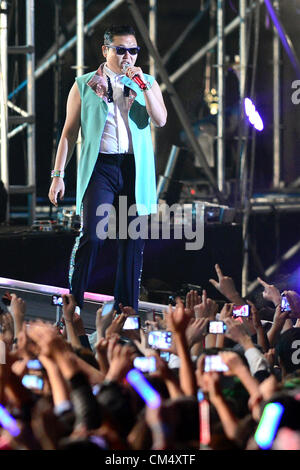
{"points": [[25, 119], [158, 67]]}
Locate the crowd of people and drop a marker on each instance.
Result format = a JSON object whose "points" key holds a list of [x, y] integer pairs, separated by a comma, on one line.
{"points": [[233, 387]]}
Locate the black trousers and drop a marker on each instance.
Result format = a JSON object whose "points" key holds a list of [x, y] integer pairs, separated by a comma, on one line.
{"points": [[113, 176]]}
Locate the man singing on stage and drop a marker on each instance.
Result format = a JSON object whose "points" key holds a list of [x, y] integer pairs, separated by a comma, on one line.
{"points": [[114, 107]]}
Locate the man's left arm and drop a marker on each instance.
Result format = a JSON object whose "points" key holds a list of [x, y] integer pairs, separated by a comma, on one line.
{"points": [[153, 97], [155, 105]]}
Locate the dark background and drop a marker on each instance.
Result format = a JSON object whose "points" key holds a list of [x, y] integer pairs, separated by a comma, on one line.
{"points": [[172, 17]]}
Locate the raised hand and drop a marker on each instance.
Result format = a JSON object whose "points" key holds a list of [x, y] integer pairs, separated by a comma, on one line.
{"points": [[116, 325], [127, 310], [69, 305], [226, 286], [103, 322], [7, 329], [17, 309], [254, 316], [270, 292], [78, 325], [121, 362], [233, 361], [196, 330], [178, 318], [279, 318], [211, 385], [207, 309], [46, 337], [101, 349], [192, 299], [112, 342], [226, 312], [238, 333]]}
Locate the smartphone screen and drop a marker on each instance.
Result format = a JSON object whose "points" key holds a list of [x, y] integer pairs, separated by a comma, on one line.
{"points": [[145, 364], [165, 355], [34, 364], [268, 425], [160, 339], [57, 300], [107, 308], [143, 388], [214, 364], [216, 327], [285, 306], [132, 323], [241, 310], [33, 382]]}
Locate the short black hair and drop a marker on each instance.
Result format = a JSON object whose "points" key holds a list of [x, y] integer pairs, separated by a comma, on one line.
{"points": [[285, 349], [117, 30]]}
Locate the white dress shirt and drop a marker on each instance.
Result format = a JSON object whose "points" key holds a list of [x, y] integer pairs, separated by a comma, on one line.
{"points": [[116, 137]]}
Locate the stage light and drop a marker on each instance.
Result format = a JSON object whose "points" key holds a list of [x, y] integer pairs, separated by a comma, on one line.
{"points": [[253, 115]]}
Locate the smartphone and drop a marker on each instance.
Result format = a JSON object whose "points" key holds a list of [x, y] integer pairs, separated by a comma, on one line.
{"points": [[57, 300], [33, 382], [107, 308], [214, 364], [216, 327], [165, 355], [285, 306], [8, 422], [145, 364], [160, 339], [143, 388], [34, 364], [241, 310], [268, 425], [132, 323]]}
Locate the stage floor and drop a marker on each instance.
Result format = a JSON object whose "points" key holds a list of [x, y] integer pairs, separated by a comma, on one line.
{"points": [[43, 258]]}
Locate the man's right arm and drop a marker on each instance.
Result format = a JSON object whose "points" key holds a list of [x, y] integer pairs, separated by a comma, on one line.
{"points": [[67, 142]]}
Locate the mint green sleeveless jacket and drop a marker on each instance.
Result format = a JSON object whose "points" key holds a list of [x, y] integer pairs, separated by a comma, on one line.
{"points": [[94, 112]]}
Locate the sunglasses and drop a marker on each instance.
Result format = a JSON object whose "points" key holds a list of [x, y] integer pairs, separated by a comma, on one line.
{"points": [[120, 50]]}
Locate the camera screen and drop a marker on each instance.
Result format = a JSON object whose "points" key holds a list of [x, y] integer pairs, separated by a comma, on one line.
{"points": [[132, 323], [285, 306], [57, 300], [214, 364], [107, 308], [33, 382], [160, 339], [165, 355], [216, 327], [145, 364], [34, 364], [240, 311]]}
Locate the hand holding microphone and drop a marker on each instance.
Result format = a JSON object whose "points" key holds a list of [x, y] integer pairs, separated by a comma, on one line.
{"points": [[134, 76]]}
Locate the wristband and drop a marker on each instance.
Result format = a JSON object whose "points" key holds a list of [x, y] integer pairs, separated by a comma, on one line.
{"points": [[57, 173], [147, 86]]}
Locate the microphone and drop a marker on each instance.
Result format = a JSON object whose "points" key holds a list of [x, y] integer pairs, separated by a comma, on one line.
{"points": [[135, 78]]}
